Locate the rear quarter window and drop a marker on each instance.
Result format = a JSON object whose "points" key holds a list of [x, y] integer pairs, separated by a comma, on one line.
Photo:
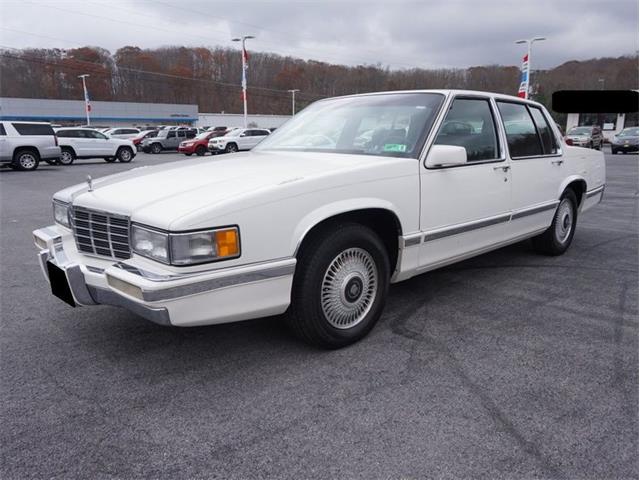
{"points": [[3, 132], [33, 128]]}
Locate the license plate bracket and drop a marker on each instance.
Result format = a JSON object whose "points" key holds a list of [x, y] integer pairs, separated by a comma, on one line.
{"points": [[59, 284]]}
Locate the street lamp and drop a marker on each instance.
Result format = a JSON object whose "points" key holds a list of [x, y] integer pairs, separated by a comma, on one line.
{"points": [[244, 72], [87, 105], [529, 42], [293, 100]]}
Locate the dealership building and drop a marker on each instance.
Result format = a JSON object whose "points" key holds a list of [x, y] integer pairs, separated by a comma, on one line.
{"points": [[125, 114], [108, 114]]}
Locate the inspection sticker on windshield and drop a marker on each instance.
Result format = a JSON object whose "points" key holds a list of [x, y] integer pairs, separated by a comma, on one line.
{"points": [[394, 147]]}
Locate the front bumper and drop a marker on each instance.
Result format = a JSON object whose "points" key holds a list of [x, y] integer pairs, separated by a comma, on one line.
{"points": [[187, 149], [168, 297]]}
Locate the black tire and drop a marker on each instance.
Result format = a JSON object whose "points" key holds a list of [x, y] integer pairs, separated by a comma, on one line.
{"points": [[110, 159], [156, 148], [231, 148], [320, 303], [51, 161], [591, 145], [67, 156], [26, 159], [124, 154], [614, 151], [557, 238], [201, 150]]}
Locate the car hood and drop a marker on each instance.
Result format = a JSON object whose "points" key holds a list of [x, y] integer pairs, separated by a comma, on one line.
{"points": [[161, 195]]}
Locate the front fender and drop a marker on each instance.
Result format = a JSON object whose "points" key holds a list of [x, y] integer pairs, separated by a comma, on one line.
{"points": [[337, 208]]}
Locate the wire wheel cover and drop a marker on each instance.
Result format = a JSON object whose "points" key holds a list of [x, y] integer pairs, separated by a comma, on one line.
{"points": [[349, 288], [564, 220]]}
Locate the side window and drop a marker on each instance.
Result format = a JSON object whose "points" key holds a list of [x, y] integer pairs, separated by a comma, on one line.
{"points": [[171, 134], [549, 145], [33, 128], [191, 133], [81, 133], [469, 124], [522, 136], [3, 132]]}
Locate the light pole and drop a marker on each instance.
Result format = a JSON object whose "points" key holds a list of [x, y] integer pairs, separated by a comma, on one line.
{"points": [[529, 42], [293, 100], [245, 65], [87, 105]]}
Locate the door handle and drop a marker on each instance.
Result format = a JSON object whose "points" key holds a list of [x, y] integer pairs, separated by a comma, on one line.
{"points": [[557, 162], [504, 168]]}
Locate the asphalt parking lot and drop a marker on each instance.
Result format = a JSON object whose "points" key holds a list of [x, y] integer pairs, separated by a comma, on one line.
{"points": [[508, 365]]}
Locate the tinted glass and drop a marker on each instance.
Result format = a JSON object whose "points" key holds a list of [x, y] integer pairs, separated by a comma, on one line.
{"points": [[171, 134], [2, 130], [522, 136], [33, 128], [191, 133], [392, 124], [548, 140], [469, 124]]}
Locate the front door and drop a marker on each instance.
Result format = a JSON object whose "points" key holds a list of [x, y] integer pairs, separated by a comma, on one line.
{"points": [[465, 208]]}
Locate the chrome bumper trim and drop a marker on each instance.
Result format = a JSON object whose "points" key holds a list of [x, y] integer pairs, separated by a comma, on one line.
{"points": [[263, 271], [108, 297]]}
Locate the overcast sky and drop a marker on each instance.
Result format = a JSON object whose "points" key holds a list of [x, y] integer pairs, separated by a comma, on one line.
{"points": [[400, 34]]}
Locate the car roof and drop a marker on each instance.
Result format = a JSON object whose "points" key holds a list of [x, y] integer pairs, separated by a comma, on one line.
{"points": [[445, 92]]}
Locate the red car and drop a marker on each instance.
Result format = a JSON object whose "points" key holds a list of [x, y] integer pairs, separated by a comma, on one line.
{"points": [[142, 135], [197, 145]]}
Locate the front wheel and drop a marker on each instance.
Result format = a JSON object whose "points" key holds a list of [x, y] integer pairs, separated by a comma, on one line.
{"points": [[231, 148], [557, 238], [67, 156], [124, 154], [200, 151], [340, 286]]}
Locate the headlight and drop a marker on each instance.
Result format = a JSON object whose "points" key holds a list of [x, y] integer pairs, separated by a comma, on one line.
{"points": [[61, 213], [150, 243], [186, 248], [204, 246]]}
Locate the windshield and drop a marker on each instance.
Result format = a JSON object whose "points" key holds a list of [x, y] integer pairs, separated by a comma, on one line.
{"points": [[202, 136], [629, 132], [580, 131], [388, 125], [233, 132]]}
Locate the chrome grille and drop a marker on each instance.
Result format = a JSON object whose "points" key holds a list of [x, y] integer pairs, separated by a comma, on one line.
{"points": [[101, 233]]}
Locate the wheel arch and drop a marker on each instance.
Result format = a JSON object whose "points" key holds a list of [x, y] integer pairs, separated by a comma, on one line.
{"points": [[380, 216], [69, 147], [576, 183], [31, 148]]}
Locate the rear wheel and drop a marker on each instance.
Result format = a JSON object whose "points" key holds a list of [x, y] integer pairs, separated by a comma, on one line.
{"points": [[340, 286], [124, 154], [67, 156], [26, 159], [557, 238]]}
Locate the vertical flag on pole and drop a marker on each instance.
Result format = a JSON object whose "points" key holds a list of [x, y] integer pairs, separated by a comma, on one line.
{"points": [[524, 77], [86, 100], [245, 66]]}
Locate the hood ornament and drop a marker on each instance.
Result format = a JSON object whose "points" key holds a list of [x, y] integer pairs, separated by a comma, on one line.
{"points": [[90, 183]]}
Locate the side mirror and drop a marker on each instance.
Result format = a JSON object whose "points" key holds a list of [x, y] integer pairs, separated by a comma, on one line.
{"points": [[446, 156], [243, 134]]}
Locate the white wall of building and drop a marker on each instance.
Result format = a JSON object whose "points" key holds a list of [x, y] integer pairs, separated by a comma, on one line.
{"points": [[237, 120]]}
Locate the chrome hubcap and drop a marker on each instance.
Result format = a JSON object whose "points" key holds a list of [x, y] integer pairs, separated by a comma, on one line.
{"points": [[564, 220], [125, 155], [349, 288], [66, 157], [27, 161]]}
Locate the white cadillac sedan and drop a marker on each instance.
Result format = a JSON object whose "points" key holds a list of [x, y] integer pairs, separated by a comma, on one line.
{"points": [[352, 194]]}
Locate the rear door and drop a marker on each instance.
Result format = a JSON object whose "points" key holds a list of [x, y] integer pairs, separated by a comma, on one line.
{"points": [[537, 165], [5, 154]]}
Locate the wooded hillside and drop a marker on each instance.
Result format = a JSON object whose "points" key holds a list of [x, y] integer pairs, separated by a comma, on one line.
{"points": [[210, 77]]}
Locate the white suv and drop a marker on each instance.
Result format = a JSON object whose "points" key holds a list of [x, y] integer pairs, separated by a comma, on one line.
{"points": [[89, 143], [126, 133], [24, 144], [238, 139]]}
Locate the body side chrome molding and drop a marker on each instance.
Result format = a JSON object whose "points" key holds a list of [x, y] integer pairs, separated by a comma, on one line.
{"points": [[594, 192], [465, 227], [533, 210]]}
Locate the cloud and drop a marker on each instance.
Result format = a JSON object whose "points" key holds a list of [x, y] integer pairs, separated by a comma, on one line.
{"points": [[398, 34]]}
